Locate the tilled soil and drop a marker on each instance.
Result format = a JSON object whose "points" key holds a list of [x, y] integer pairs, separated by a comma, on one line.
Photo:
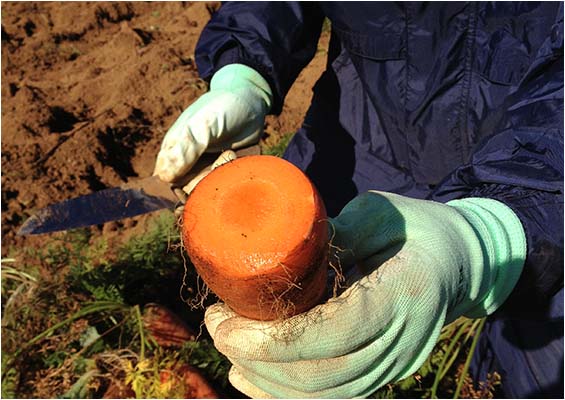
{"points": [[88, 91]]}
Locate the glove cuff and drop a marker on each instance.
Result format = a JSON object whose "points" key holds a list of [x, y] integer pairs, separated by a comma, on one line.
{"points": [[238, 76], [503, 242]]}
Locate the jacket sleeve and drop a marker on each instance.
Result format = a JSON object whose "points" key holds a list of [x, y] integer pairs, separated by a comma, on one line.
{"points": [[521, 165], [277, 39]]}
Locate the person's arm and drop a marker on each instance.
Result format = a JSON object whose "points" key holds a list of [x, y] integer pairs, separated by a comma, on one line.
{"points": [[251, 52], [277, 39], [522, 166]]}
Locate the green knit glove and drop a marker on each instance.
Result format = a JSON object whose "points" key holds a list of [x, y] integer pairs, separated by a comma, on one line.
{"points": [[419, 265], [231, 115]]}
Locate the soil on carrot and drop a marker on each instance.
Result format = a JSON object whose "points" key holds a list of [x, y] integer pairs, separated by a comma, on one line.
{"points": [[88, 92]]}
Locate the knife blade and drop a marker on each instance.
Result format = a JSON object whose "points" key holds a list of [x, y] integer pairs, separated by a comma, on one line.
{"points": [[134, 198], [99, 207]]}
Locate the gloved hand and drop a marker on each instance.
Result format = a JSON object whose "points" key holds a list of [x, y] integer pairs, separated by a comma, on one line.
{"points": [[418, 266], [230, 115], [192, 179]]}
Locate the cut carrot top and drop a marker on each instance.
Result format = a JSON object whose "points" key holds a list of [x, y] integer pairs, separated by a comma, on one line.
{"points": [[258, 219]]}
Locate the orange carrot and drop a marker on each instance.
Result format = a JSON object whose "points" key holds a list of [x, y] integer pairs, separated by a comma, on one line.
{"points": [[256, 231]]}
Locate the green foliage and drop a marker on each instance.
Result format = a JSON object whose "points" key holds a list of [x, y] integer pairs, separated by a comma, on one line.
{"points": [[203, 355], [440, 376], [145, 270], [76, 301], [80, 390], [73, 249], [10, 378], [55, 359], [277, 147], [145, 377]]}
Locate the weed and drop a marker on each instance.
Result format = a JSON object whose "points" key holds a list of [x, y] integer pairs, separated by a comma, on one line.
{"points": [[145, 376], [10, 378], [204, 356], [73, 300], [276, 145], [444, 373]]}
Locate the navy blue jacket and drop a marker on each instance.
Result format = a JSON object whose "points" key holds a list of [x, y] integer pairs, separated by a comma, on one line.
{"points": [[429, 100]]}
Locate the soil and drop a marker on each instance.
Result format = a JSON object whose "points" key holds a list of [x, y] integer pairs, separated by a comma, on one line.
{"points": [[89, 89]]}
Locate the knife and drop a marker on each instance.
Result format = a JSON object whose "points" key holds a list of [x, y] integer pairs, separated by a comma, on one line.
{"points": [[138, 197]]}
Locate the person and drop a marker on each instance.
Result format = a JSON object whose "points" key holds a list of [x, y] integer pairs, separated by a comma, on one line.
{"points": [[435, 139]]}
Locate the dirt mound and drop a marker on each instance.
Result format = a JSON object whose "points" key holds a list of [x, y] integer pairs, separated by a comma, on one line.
{"points": [[89, 90]]}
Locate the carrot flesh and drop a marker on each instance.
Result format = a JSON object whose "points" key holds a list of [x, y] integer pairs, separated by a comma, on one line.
{"points": [[256, 231]]}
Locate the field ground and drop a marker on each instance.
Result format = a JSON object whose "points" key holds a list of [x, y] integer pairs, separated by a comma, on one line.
{"points": [[88, 92]]}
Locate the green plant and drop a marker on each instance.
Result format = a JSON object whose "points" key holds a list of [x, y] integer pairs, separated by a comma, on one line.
{"points": [[203, 355], [143, 271], [10, 378], [80, 389], [276, 146], [444, 373], [146, 377], [69, 302]]}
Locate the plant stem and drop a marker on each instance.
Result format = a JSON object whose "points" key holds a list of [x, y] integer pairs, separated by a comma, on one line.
{"points": [[469, 334], [141, 331], [445, 364], [90, 309], [16, 274], [469, 357]]}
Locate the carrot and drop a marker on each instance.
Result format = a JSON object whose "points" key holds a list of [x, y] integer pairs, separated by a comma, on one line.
{"points": [[256, 231]]}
